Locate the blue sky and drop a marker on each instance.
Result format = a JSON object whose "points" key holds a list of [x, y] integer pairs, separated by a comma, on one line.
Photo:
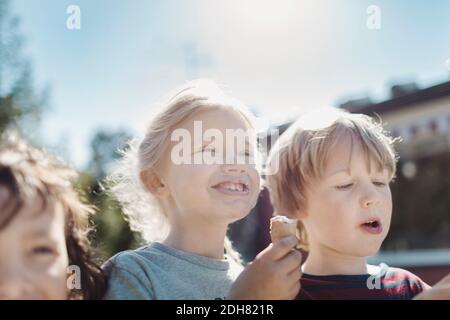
{"points": [[279, 57]]}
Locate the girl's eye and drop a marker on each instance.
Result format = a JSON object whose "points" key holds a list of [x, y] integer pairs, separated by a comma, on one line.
{"points": [[42, 250], [246, 154], [345, 186], [379, 184], [208, 149]]}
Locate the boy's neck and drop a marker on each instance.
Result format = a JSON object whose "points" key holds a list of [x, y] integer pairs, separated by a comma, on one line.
{"points": [[198, 237], [325, 261]]}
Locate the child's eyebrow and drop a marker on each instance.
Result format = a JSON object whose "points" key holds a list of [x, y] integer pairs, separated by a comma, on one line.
{"points": [[347, 170], [42, 233], [379, 169]]}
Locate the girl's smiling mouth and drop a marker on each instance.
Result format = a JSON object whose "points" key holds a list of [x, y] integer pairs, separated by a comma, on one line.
{"points": [[232, 188]]}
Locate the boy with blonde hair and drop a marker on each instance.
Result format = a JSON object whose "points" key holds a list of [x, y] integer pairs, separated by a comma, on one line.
{"points": [[334, 170]]}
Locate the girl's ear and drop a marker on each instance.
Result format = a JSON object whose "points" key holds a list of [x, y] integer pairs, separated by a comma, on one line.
{"points": [[300, 214], [153, 182]]}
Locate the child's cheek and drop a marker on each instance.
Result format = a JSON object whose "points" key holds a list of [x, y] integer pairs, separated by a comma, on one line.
{"points": [[338, 210], [337, 203], [56, 280]]}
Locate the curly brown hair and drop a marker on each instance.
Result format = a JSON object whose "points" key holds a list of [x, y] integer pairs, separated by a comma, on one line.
{"points": [[28, 172]]}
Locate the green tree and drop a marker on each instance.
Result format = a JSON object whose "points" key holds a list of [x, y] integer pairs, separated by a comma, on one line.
{"points": [[112, 231], [20, 105], [105, 150]]}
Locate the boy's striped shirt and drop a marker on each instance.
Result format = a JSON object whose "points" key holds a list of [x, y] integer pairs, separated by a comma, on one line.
{"points": [[389, 284]]}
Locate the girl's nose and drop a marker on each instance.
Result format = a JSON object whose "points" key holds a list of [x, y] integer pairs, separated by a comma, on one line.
{"points": [[14, 280], [15, 289], [234, 168]]}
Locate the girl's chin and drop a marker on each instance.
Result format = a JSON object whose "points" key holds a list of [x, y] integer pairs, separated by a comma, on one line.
{"points": [[236, 213]]}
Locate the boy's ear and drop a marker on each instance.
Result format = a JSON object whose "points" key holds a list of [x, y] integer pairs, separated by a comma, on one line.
{"points": [[153, 182]]}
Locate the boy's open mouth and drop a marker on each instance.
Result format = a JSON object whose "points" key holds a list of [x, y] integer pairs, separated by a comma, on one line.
{"points": [[372, 226], [232, 187]]}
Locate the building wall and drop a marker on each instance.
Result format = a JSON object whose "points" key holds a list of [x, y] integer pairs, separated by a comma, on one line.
{"points": [[419, 113], [424, 128]]}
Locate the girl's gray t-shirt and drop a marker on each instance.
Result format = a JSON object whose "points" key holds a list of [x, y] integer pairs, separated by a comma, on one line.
{"points": [[157, 271]]}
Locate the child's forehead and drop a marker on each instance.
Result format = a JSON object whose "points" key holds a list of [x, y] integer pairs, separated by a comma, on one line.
{"points": [[215, 124], [44, 221], [341, 151], [34, 212], [216, 118], [348, 152], [32, 225]]}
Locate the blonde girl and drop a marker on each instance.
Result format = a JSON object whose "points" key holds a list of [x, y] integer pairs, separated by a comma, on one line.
{"points": [[182, 203]]}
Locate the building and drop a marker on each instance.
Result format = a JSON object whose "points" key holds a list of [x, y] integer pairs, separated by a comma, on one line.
{"points": [[421, 117]]}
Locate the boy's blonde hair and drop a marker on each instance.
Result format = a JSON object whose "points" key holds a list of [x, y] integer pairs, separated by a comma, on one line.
{"points": [[303, 150], [143, 211], [31, 174]]}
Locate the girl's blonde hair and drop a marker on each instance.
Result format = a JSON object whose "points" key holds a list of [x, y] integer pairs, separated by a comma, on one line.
{"points": [[143, 211], [301, 154]]}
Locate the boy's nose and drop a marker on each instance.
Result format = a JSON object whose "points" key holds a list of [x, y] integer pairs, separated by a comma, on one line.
{"points": [[369, 199], [367, 203]]}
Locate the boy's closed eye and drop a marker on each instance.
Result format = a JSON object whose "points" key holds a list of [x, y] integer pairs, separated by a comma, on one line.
{"points": [[347, 186]]}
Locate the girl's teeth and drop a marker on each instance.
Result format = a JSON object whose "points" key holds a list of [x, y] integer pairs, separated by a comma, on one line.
{"points": [[229, 186], [234, 187]]}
